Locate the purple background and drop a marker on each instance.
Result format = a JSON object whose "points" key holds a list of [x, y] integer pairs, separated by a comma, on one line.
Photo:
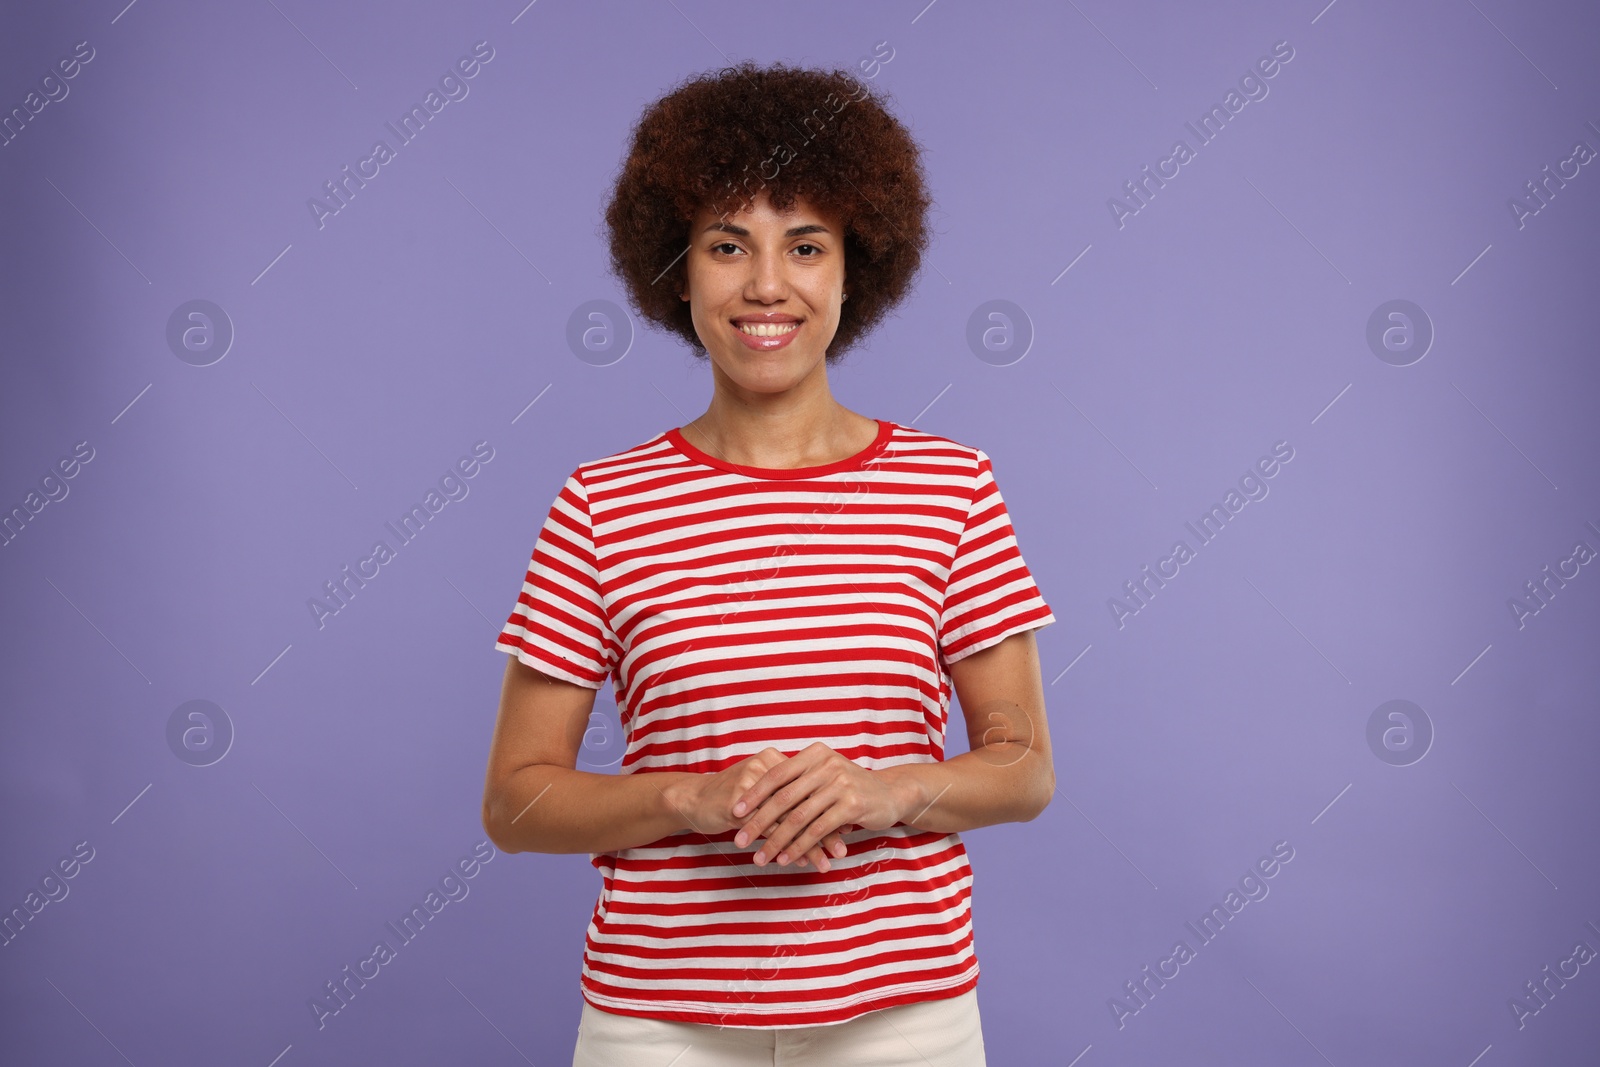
{"points": [[1229, 313]]}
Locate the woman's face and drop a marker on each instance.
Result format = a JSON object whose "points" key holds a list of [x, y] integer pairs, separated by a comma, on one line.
{"points": [[759, 266]]}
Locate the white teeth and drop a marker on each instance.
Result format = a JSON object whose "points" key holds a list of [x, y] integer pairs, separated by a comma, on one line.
{"points": [[767, 329]]}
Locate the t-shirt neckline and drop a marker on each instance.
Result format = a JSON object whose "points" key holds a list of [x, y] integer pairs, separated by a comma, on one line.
{"points": [[848, 463]]}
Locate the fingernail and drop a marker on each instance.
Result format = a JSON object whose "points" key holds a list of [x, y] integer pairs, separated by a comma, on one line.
{"points": [[740, 839], [783, 857], [738, 809]]}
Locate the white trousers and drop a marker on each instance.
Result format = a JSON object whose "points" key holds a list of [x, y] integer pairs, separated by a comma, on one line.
{"points": [[929, 1033]]}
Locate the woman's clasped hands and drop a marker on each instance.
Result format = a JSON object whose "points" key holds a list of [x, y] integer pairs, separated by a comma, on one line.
{"points": [[799, 803]]}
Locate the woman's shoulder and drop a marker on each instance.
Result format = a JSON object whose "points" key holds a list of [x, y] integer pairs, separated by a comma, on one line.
{"points": [[912, 435], [652, 451], [913, 444]]}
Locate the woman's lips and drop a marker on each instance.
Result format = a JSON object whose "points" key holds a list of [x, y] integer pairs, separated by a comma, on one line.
{"points": [[778, 335]]}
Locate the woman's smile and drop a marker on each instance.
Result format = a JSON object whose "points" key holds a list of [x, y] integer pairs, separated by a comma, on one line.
{"points": [[766, 336]]}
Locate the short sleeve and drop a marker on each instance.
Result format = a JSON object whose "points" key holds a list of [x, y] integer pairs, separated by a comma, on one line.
{"points": [[991, 593], [559, 624]]}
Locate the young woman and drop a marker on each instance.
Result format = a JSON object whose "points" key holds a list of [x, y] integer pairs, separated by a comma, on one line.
{"points": [[784, 594]]}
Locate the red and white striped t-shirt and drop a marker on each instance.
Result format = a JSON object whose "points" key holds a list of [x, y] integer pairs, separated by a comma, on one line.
{"points": [[741, 607]]}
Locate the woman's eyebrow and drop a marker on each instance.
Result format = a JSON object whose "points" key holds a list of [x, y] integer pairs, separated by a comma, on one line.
{"points": [[793, 231]]}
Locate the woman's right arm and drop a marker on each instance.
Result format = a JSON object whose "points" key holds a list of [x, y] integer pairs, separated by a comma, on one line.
{"points": [[536, 800]]}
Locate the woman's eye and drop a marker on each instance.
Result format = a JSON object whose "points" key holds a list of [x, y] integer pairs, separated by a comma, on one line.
{"points": [[728, 248]]}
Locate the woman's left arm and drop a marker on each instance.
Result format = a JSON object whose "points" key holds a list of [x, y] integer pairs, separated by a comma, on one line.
{"points": [[1006, 777]]}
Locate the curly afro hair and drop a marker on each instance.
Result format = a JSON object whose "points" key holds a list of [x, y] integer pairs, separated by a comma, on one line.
{"points": [[718, 140]]}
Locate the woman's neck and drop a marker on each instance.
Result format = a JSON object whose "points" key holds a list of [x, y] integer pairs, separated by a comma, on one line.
{"points": [[781, 439]]}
